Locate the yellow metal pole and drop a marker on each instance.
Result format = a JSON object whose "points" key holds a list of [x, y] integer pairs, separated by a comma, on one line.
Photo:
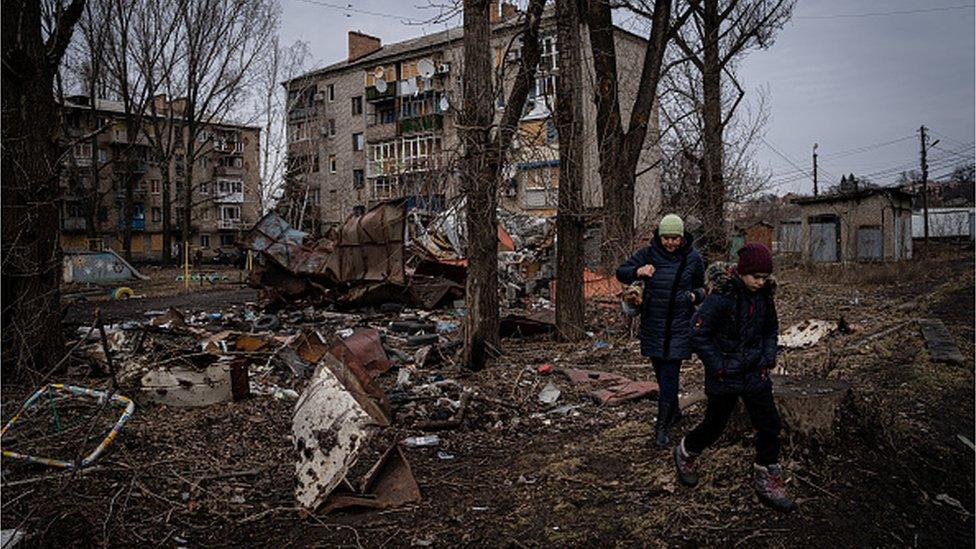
{"points": [[250, 261]]}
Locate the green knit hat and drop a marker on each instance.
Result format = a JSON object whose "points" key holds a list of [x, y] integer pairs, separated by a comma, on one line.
{"points": [[671, 225]]}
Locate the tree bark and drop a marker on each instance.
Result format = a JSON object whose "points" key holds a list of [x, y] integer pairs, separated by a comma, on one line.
{"points": [[570, 318], [619, 151], [479, 182], [30, 190], [716, 244]]}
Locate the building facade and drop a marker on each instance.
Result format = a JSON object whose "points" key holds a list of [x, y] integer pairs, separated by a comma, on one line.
{"points": [[382, 124], [867, 225], [226, 181]]}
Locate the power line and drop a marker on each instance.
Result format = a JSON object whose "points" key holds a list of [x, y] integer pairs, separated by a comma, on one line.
{"points": [[784, 157], [350, 8], [968, 157], [885, 13], [865, 148], [947, 138]]}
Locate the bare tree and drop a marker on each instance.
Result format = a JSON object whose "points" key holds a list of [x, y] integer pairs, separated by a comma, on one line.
{"points": [[723, 30], [222, 42], [620, 150], [31, 260], [484, 154], [278, 64], [570, 223]]}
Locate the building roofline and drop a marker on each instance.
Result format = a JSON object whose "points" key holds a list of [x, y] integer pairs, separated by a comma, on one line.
{"points": [[106, 106], [857, 195], [433, 41]]}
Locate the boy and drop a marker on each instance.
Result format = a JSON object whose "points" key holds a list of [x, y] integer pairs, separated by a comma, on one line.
{"points": [[735, 335], [674, 276]]}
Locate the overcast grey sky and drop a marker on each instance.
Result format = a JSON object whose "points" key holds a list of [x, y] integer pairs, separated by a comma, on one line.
{"points": [[857, 77]]}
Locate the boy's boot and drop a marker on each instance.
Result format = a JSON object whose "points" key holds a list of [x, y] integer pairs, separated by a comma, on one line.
{"points": [[676, 414], [684, 465], [769, 487], [665, 413]]}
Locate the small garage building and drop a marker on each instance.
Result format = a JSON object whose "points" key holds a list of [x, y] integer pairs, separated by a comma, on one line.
{"points": [[864, 225]]}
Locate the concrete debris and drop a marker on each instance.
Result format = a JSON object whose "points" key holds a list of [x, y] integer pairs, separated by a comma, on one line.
{"points": [[609, 388], [184, 386], [807, 333]]}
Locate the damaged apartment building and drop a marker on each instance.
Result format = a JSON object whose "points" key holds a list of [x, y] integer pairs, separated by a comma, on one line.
{"points": [[226, 181], [382, 124]]}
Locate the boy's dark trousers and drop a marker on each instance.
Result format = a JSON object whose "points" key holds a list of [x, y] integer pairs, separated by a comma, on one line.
{"points": [[762, 413]]}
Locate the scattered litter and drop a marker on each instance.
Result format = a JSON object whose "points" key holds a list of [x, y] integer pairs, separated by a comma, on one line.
{"points": [[544, 369], [422, 441], [442, 455], [549, 394], [10, 537], [967, 442], [946, 499]]}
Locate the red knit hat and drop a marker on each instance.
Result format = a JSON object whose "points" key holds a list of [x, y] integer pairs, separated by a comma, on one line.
{"points": [[754, 258]]}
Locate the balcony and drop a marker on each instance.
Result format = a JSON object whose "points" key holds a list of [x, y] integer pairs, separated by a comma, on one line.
{"points": [[302, 113], [382, 168], [228, 170], [229, 147], [81, 161], [229, 197], [228, 224], [426, 123], [138, 224], [372, 94], [73, 224]]}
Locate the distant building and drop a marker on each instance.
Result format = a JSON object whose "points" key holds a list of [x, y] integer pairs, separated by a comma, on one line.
{"points": [[381, 124], [867, 225], [760, 231], [226, 183]]}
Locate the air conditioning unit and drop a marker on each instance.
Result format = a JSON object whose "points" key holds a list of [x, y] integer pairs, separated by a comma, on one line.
{"points": [[443, 68], [320, 96], [514, 55]]}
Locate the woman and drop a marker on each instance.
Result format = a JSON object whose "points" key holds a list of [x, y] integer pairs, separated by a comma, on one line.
{"points": [[674, 276]]}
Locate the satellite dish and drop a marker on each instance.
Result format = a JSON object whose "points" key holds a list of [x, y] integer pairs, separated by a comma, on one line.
{"points": [[425, 67], [379, 73], [381, 86], [445, 104]]}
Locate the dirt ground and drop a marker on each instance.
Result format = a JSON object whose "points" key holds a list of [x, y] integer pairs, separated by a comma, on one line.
{"points": [[894, 473]]}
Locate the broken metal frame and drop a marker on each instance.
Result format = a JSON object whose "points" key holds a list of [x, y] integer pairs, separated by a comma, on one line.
{"points": [[101, 396]]}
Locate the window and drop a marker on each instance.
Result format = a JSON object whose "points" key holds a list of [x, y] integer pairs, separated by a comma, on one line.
{"points": [[383, 189], [300, 131], [358, 179], [155, 186], [227, 240], [204, 188], [205, 241], [357, 142], [230, 212], [83, 150], [359, 210], [120, 133], [102, 156], [331, 91], [315, 196], [357, 105], [332, 127], [385, 115], [547, 61], [332, 163], [157, 215], [229, 186]]}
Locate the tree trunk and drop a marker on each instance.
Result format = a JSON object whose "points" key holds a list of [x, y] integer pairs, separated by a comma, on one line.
{"points": [[167, 220], [570, 319], [188, 161], [713, 209], [30, 191], [479, 180]]}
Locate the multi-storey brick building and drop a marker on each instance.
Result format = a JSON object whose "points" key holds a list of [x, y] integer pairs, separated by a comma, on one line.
{"points": [[381, 124], [226, 179]]}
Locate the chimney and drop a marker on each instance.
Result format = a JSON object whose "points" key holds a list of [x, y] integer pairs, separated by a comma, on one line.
{"points": [[501, 11], [493, 16], [361, 45]]}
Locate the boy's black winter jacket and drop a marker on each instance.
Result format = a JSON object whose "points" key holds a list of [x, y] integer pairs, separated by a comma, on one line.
{"points": [[666, 308], [735, 334]]}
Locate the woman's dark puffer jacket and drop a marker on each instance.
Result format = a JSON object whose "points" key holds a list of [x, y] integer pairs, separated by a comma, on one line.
{"points": [[735, 334], [666, 309]]}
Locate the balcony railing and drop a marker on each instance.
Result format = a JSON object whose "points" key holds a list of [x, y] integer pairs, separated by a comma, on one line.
{"points": [[73, 224], [426, 123], [138, 224], [228, 170], [228, 223], [229, 197], [373, 94], [302, 113]]}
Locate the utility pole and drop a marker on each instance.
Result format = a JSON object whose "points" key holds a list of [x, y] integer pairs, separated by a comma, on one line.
{"points": [[925, 186], [814, 169]]}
